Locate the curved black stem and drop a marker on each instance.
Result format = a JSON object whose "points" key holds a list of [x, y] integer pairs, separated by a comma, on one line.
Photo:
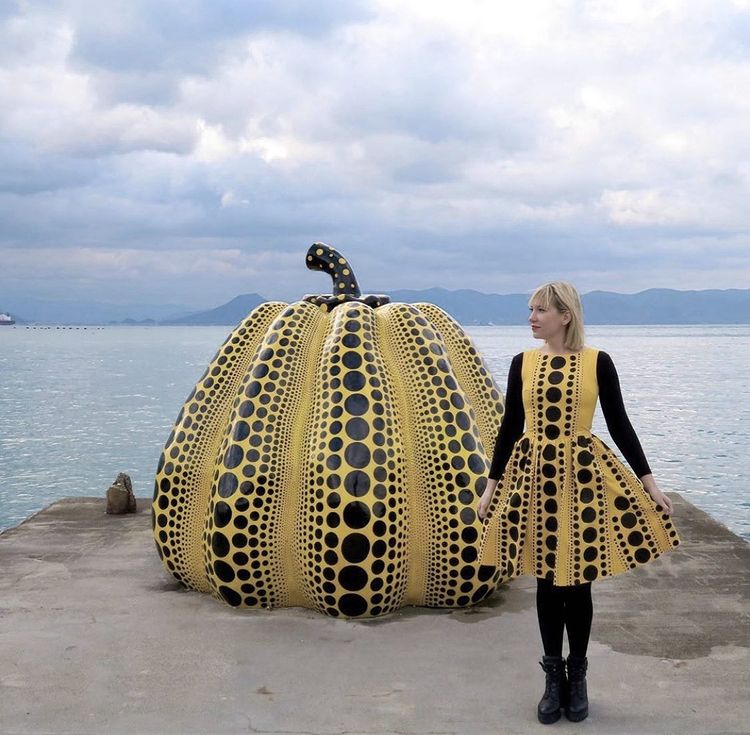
{"points": [[322, 257]]}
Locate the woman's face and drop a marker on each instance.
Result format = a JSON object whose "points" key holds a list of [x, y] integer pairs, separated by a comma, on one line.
{"points": [[547, 323]]}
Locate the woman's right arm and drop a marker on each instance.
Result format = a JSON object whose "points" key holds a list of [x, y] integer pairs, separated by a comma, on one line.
{"points": [[511, 428]]}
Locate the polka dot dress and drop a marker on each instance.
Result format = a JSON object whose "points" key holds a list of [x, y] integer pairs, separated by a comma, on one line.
{"points": [[568, 509]]}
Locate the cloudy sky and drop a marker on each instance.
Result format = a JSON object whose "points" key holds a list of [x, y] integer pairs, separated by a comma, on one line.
{"points": [[185, 151]]}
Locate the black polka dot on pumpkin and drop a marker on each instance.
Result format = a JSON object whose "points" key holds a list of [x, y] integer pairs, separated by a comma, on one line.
{"points": [[354, 380], [353, 578], [469, 443], [350, 340], [223, 571], [227, 484], [335, 444], [356, 404], [476, 464], [480, 593], [355, 547], [240, 431], [232, 597], [356, 514], [462, 479], [219, 544], [222, 514], [253, 389], [331, 557], [352, 360], [462, 420], [467, 515], [233, 456], [352, 604], [357, 428], [357, 454], [357, 483]]}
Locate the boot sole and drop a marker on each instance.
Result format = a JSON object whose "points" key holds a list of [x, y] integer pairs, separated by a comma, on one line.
{"points": [[577, 716], [549, 718]]}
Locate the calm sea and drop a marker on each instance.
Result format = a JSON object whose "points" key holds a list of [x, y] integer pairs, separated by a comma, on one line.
{"points": [[77, 406]]}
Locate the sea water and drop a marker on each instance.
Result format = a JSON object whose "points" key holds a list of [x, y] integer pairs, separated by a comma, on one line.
{"points": [[78, 405]]}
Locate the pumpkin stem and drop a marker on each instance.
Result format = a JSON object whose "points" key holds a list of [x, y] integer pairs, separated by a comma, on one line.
{"points": [[322, 257]]}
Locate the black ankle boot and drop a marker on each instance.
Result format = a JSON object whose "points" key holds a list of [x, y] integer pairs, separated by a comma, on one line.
{"points": [[577, 707], [555, 689]]}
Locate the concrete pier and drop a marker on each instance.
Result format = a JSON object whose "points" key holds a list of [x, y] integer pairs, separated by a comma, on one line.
{"points": [[96, 637]]}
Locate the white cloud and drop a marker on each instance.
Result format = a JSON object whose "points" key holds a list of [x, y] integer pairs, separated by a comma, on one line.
{"points": [[596, 136]]}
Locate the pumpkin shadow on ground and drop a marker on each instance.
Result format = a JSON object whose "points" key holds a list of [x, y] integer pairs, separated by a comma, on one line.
{"points": [[503, 600]]}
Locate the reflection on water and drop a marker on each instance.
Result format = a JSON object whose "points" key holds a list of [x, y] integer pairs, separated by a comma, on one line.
{"points": [[79, 406]]}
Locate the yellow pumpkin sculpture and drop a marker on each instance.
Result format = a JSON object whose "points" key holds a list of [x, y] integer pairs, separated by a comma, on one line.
{"points": [[331, 457]]}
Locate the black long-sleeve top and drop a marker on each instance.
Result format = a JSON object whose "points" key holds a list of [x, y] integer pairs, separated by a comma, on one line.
{"points": [[610, 397]]}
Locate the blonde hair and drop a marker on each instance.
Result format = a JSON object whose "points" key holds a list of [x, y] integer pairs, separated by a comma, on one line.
{"points": [[564, 297]]}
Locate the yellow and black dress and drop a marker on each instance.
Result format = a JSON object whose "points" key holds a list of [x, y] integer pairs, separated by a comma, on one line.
{"points": [[566, 508]]}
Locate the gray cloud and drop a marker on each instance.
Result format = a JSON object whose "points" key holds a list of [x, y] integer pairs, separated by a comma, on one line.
{"points": [[473, 147]]}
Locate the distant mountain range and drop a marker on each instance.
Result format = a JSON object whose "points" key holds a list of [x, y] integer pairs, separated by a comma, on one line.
{"points": [[29, 310], [654, 306]]}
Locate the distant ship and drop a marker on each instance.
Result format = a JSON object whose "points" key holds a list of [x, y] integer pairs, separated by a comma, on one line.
{"points": [[6, 320]]}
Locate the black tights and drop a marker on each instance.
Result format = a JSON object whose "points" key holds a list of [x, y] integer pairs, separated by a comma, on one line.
{"points": [[564, 607]]}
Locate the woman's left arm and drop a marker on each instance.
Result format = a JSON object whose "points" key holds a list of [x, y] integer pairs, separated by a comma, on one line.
{"points": [[621, 430]]}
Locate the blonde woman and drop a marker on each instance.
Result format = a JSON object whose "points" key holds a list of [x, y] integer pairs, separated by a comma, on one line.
{"points": [[569, 511]]}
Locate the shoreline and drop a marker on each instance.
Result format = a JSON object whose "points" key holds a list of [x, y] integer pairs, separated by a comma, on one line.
{"points": [[98, 636]]}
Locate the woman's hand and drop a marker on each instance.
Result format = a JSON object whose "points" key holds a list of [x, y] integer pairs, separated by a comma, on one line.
{"points": [[657, 495], [486, 499]]}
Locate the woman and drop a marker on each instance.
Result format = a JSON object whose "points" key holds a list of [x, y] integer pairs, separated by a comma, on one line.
{"points": [[569, 511]]}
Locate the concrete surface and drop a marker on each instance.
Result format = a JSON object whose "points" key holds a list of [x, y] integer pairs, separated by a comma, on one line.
{"points": [[96, 637]]}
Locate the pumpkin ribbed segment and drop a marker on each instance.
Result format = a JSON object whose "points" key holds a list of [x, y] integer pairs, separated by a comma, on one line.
{"points": [[353, 524], [186, 466], [475, 378], [449, 461], [256, 479]]}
